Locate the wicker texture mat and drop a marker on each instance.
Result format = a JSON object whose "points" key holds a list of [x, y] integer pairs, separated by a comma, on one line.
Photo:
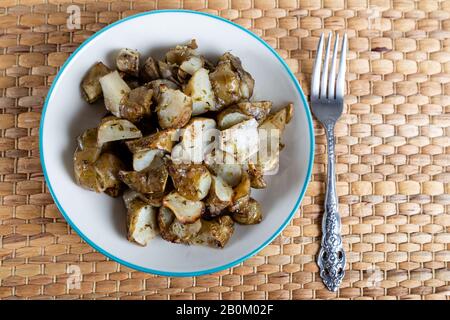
{"points": [[392, 151]]}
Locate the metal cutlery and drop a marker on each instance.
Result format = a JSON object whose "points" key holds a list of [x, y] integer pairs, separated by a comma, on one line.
{"points": [[327, 101]]}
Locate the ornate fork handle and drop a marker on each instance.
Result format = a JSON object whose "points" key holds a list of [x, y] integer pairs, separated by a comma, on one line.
{"points": [[331, 259]]}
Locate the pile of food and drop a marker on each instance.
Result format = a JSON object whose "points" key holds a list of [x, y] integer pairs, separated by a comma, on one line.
{"points": [[180, 142]]}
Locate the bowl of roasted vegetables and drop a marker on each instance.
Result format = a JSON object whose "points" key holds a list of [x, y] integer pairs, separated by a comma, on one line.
{"points": [[176, 142]]}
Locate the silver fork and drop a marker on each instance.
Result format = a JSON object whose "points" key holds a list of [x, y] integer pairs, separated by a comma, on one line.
{"points": [[327, 102]]}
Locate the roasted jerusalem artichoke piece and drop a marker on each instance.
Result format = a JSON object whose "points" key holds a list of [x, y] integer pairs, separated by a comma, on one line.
{"points": [[173, 230], [107, 169], [95, 170], [87, 152], [197, 138], [153, 199], [149, 181], [142, 224], [270, 132], [192, 181], [115, 91], [247, 83], [143, 159], [231, 116], [113, 129], [136, 104], [150, 70], [256, 174], [174, 108], [240, 140], [156, 84], [162, 140], [219, 198], [186, 211], [241, 193], [168, 71], [186, 58], [91, 88], [279, 119], [224, 166], [84, 171], [230, 82], [87, 141], [215, 233], [200, 90], [127, 61], [147, 148], [256, 109], [225, 83], [248, 212]]}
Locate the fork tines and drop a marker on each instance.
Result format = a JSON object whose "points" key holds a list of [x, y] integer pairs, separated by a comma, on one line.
{"points": [[335, 87]]}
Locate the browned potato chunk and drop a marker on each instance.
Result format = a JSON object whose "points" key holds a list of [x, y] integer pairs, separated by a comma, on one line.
{"points": [[128, 61], [219, 198], [215, 233], [174, 108], [161, 140], [192, 181], [150, 70], [186, 211], [107, 168], [151, 180], [91, 88], [136, 104], [142, 225], [248, 212]]}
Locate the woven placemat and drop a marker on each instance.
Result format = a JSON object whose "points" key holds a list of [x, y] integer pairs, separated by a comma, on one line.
{"points": [[392, 154]]}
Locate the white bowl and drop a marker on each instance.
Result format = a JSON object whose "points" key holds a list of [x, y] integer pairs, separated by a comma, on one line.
{"points": [[99, 219]]}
